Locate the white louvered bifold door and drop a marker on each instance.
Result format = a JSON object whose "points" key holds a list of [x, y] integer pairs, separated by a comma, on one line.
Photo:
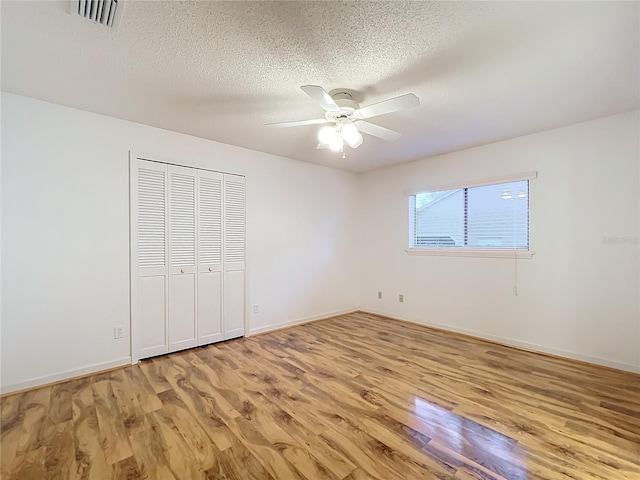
{"points": [[234, 256], [210, 257], [182, 258], [187, 257], [150, 254]]}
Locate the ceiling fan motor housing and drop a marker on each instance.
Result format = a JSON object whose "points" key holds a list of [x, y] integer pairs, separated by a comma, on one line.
{"points": [[347, 107]]}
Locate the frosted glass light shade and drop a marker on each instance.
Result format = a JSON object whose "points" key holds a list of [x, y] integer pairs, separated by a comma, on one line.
{"points": [[356, 141], [326, 134], [349, 132]]}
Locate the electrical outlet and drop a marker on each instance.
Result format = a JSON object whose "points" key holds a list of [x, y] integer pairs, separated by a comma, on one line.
{"points": [[379, 295], [118, 332], [256, 308], [401, 298]]}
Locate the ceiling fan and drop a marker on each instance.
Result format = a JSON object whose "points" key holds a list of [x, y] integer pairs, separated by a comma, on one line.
{"points": [[348, 118]]}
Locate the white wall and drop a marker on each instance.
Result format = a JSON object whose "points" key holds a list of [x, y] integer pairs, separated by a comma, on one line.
{"points": [[319, 240], [577, 297], [65, 236]]}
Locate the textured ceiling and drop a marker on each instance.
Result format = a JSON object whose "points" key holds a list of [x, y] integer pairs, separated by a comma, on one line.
{"points": [[484, 71]]}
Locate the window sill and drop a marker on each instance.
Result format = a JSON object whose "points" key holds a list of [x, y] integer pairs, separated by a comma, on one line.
{"points": [[485, 253]]}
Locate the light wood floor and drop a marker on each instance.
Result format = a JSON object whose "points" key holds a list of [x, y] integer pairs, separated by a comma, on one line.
{"points": [[355, 397]]}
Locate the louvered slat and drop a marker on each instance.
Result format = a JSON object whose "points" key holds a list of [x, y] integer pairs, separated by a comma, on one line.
{"points": [[151, 218], [234, 220], [210, 227], [104, 12], [182, 220]]}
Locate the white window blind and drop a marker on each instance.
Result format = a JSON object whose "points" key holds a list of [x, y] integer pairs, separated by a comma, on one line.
{"points": [[487, 217]]}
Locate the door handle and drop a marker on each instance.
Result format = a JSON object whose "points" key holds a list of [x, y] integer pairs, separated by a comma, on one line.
{"points": [[210, 269], [182, 270]]}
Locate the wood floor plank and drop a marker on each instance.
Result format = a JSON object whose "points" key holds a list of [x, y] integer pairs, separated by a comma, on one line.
{"points": [[128, 404], [267, 453], [114, 436], [294, 403], [30, 465], [237, 463], [204, 408], [60, 453], [337, 463], [224, 372], [279, 435], [366, 458], [8, 450], [184, 374], [215, 354], [35, 420], [61, 406], [308, 465], [10, 410], [155, 376], [196, 438], [354, 397], [126, 469], [217, 374], [90, 461], [400, 453], [180, 458], [359, 474], [150, 452], [143, 389]]}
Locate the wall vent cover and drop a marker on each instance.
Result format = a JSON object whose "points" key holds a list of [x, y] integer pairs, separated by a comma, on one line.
{"points": [[104, 12]]}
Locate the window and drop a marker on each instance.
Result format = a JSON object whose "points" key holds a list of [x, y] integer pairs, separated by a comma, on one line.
{"points": [[487, 218]]}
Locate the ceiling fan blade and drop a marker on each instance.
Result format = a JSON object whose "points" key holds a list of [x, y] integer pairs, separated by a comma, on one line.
{"points": [[322, 146], [378, 131], [321, 96], [387, 106], [298, 123]]}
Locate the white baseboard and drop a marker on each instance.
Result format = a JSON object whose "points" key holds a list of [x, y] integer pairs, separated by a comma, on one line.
{"points": [[299, 321], [514, 343], [66, 375]]}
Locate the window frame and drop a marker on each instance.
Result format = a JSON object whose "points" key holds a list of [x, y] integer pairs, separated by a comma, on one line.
{"points": [[468, 251]]}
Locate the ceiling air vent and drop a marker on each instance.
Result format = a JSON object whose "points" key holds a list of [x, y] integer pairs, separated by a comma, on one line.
{"points": [[104, 12]]}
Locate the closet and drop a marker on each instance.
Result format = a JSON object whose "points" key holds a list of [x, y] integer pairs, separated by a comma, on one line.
{"points": [[187, 257]]}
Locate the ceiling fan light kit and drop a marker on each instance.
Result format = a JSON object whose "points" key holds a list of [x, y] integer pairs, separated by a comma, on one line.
{"points": [[335, 136], [348, 118]]}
